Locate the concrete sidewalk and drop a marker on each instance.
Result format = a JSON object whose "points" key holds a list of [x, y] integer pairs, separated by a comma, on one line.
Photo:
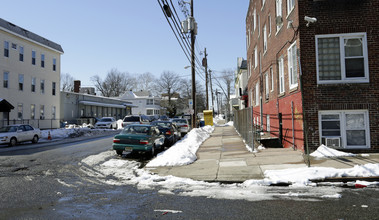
{"points": [[224, 158]]}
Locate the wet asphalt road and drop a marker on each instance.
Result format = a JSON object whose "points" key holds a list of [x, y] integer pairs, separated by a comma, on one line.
{"points": [[46, 183]]}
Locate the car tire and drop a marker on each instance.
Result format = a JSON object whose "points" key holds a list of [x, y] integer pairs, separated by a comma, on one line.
{"points": [[35, 139], [119, 152], [13, 142], [152, 152]]}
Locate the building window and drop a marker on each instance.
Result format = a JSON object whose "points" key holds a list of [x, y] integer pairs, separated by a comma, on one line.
{"points": [[257, 94], [149, 111], [290, 6], [6, 48], [14, 46], [279, 15], [32, 111], [272, 79], [255, 57], [264, 39], [254, 19], [19, 111], [42, 86], [266, 86], [21, 54], [263, 3], [149, 101], [53, 112], [53, 86], [33, 86], [33, 57], [54, 64], [342, 58], [42, 60], [42, 112], [281, 75], [292, 66], [20, 82], [344, 129], [269, 25], [5, 79]]}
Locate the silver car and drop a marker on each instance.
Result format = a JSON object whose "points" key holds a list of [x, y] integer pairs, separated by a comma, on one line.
{"points": [[182, 125], [13, 134]]}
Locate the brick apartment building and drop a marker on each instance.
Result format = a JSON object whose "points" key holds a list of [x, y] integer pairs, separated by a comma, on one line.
{"points": [[317, 76]]}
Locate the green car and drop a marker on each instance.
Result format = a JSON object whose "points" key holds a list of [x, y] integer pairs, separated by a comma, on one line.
{"points": [[138, 138]]}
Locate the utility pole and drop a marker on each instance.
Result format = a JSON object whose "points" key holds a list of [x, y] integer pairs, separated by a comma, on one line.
{"points": [[194, 115], [205, 65], [210, 82]]}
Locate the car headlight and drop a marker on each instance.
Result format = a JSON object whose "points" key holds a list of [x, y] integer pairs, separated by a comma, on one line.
{"points": [[4, 138]]}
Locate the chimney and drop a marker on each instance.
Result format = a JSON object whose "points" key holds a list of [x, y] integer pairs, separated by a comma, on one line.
{"points": [[77, 86]]}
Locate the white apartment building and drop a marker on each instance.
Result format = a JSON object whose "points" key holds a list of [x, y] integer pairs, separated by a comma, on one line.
{"points": [[29, 77]]}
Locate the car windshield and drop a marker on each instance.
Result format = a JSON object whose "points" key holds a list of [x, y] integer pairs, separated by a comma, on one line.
{"points": [[8, 129], [131, 118], [136, 130], [163, 124], [105, 120], [180, 121]]}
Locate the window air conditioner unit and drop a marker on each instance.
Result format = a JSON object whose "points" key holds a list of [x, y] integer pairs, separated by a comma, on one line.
{"points": [[333, 142], [279, 20]]}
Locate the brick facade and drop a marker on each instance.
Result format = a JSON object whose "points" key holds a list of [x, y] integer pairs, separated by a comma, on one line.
{"points": [[333, 17]]}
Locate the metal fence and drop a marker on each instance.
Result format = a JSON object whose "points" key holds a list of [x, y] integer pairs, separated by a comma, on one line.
{"points": [[243, 122], [37, 123]]}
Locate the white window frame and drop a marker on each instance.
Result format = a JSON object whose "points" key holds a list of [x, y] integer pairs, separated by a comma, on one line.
{"points": [[344, 79], [278, 12], [290, 6], [264, 39], [269, 25], [257, 99], [255, 57], [263, 4], [281, 75], [292, 66], [272, 79], [342, 117], [254, 19], [267, 89]]}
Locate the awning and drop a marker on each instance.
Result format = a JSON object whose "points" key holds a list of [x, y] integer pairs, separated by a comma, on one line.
{"points": [[124, 105], [5, 106]]}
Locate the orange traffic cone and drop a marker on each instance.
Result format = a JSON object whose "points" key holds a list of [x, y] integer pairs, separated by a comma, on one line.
{"points": [[49, 136]]}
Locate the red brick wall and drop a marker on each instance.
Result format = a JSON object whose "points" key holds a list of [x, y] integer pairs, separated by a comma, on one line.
{"points": [[335, 17]]}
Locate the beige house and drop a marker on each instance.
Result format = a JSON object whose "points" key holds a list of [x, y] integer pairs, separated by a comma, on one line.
{"points": [[29, 77]]}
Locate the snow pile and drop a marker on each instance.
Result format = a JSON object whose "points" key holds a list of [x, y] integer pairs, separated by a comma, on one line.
{"points": [[303, 176], [324, 151], [72, 131], [184, 151]]}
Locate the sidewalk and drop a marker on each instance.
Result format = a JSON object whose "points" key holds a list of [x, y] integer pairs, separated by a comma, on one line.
{"points": [[224, 158]]}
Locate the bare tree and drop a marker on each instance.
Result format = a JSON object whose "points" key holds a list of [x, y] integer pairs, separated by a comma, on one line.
{"points": [[169, 86], [114, 84], [225, 83], [67, 82], [145, 81], [186, 93]]}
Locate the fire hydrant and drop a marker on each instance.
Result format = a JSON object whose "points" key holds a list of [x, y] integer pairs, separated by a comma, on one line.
{"points": [[49, 136]]}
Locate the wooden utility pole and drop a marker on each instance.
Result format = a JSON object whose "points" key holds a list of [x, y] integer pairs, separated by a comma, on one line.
{"points": [[194, 115], [205, 65]]}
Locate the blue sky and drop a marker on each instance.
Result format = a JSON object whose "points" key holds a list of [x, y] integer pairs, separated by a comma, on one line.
{"points": [[130, 35]]}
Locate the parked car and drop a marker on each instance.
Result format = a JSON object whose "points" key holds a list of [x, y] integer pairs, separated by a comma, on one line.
{"points": [[170, 131], [138, 138], [106, 122], [13, 134], [135, 119], [183, 125]]}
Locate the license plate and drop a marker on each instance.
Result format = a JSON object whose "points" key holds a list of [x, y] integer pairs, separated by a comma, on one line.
{"points": [[128, 149]]}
